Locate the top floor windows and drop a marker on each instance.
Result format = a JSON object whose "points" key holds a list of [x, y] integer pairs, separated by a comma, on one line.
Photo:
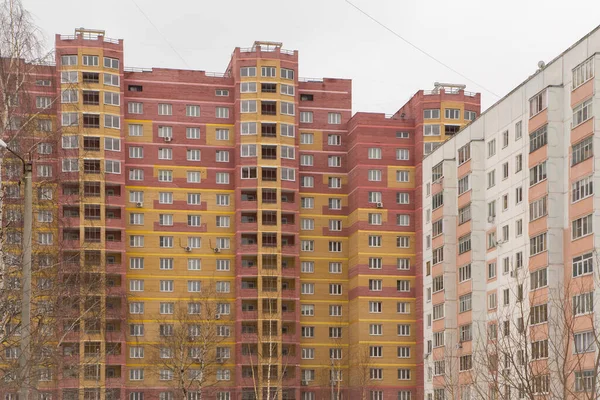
{"points": [[583, 72], [247, 71], [537, 103]]}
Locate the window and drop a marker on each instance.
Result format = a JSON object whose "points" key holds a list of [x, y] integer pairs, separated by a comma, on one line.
{"points": [[334, 140], [491, 148], [402, 176], [584, 342], [584, 381], [334, 182], [68, 60], [464, 273], [112, 121], [491, 179], [135, 130], [464, 154], [537, 103], [582, 73], [538, 314], [438, 311], [463, 184], [491, 270], [465, 303], [306, 117], [307, 181], [431, 130], [248, 71], [403, 264], [582, 112], [582, 189], [583, 264], [403, 374], [89, 60], [402, 198], [437, 200], [465, 363], [402, 154], [438, 255], [464, 244], [335, 204], [70, 96], [431, 113], [248, 106], [464, 214], [466, 333], [452, 113], [402, 242], [582, 151], [538, 208], [222, 112], [538, 138], [537, 174], [492, 304], [334, 118], [470, 115], [334, 161], [222, 178], [582, 227], [429, 147], [403, 285], [583, 303], [308, 331], [307, 288]]}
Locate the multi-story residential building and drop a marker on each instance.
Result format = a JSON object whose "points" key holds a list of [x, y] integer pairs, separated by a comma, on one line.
{"points": [[241, 232], [510, 224]]}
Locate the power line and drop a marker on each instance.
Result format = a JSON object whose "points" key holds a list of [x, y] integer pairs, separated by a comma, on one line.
{"points": [[419, 49], [161, 34]]}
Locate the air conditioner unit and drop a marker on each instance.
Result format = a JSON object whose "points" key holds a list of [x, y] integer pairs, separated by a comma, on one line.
{"points": [[168, 139], [220, 360], [379, 204], [303, 383], [139, 204], [218, 316], [217, 250], [491, 218], [188, 249]]}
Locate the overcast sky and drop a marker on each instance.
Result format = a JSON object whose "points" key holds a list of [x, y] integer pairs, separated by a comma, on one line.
{"points": [[495, 44]]}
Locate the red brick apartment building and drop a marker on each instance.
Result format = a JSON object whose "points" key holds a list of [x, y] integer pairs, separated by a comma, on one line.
{"points": [[253, 199]]}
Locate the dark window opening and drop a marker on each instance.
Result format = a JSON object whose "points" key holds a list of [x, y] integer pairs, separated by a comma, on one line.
{"points": [[269, 218], [268, 87], [451, 129], [92, 235], [91, 77], [90, 97], [248, 218], [91, 189], [91, 166], [91, 121], [249, 239], [92, 211], [306, 97], [287, 197], [248, 196], [269, 152], [268, 108], [71, 212], [91, 143], [135, 88], [269, 239], [269, 174], [70, 189], [268, 130], [269, 196]]}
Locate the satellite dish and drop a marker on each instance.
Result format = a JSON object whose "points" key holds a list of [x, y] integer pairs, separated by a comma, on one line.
{"points": [[541, 65]]}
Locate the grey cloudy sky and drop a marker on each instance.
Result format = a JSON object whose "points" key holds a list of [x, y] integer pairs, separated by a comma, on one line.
{"points": [[496, 44]]}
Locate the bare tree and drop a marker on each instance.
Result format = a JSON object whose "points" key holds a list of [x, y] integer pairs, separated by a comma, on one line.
{"points": [[544, 344], [188, 357]]}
